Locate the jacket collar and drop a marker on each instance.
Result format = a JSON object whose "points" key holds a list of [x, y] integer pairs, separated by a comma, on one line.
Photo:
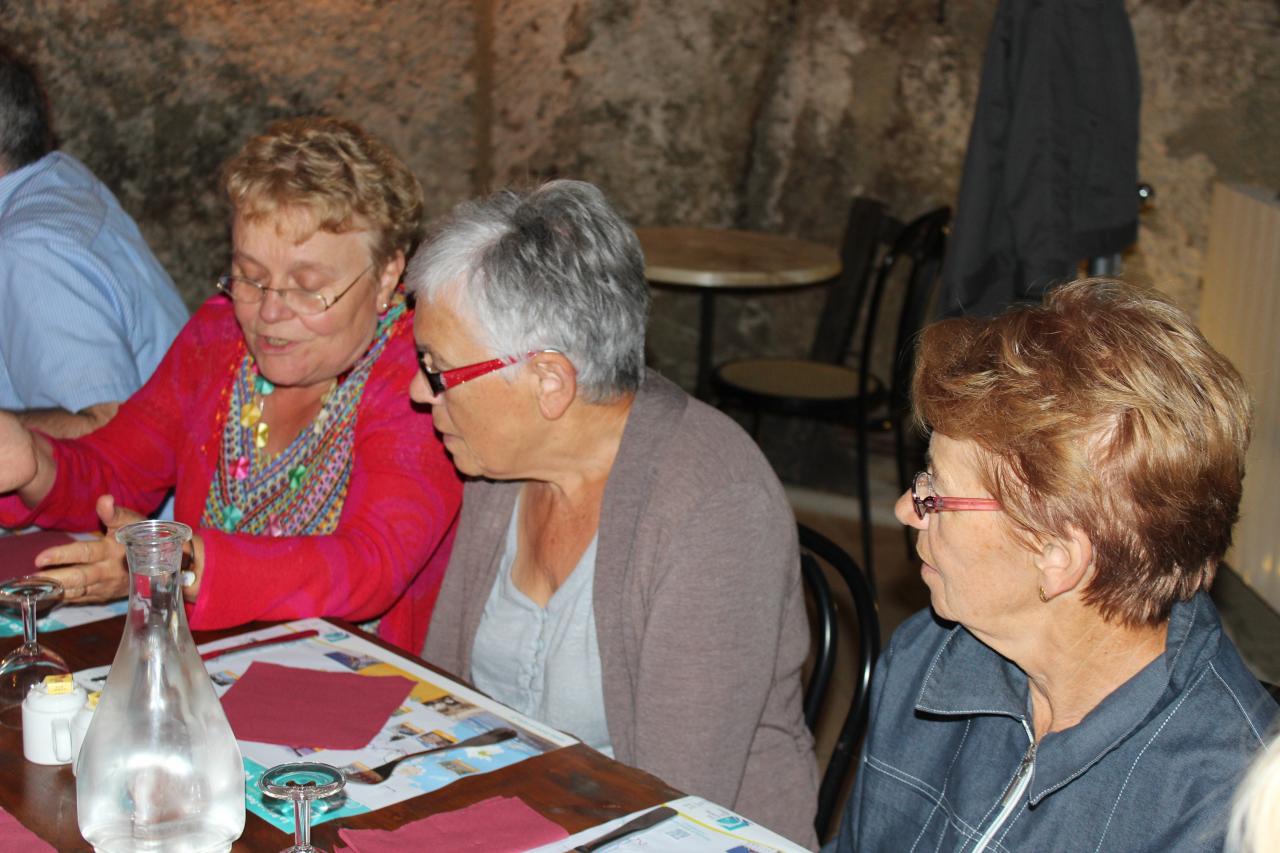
{"points": [[966, 678]]}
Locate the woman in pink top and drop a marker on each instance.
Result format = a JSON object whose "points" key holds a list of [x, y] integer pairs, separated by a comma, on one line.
{"points": [[279, 415]]}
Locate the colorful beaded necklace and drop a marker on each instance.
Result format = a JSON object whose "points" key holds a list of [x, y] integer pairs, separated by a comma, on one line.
{"points": [[300, 491]]}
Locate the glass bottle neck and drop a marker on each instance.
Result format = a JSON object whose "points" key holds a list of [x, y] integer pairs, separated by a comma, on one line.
{"points": [[155, 600]]}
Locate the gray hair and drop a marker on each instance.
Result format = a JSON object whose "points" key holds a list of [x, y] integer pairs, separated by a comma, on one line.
{"points": [[1254, 825], [553, 268]]}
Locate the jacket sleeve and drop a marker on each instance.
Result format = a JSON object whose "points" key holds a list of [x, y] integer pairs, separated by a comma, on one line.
{"points": [[711, 639], [401, 503]]}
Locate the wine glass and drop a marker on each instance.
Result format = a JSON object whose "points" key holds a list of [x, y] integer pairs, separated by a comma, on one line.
{"points": [[302, 782], [31, 662]]}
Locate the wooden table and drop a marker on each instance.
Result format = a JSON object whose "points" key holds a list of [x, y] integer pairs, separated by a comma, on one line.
{"points": [[575, 787], [719, 259]]}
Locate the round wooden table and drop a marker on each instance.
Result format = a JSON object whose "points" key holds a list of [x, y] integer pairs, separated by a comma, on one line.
{"points": [[718, 259]]}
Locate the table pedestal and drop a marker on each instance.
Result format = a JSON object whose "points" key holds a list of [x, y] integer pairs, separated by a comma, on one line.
{"points": [[721, 259]]}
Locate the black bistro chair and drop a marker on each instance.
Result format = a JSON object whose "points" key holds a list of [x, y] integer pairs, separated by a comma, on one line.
{"points": [[814, 550], [827, 386]]}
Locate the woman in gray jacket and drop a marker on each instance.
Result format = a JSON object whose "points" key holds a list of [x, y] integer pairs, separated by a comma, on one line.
{"points": [[626, 565]]}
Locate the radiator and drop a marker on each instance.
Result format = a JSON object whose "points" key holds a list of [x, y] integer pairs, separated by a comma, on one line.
{"points": [[1240, 315]]}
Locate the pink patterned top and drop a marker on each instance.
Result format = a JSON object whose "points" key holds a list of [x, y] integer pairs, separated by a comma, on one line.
{"points": [[385, 559]]}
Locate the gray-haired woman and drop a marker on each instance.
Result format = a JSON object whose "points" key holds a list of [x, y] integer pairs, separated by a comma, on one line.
{"points": [[626, 565]]}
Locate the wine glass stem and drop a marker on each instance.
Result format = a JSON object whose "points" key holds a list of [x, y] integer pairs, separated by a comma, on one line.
{"points": [[302, 823], [28, 621]]}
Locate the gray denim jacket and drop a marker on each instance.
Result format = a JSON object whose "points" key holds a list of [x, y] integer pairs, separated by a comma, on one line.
{"points": [[1152, 768]]}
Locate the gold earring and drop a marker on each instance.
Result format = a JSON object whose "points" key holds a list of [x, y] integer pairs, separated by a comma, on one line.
{"points": [[1043, 597]]}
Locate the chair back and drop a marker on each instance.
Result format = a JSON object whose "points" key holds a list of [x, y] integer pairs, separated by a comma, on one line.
{"points": [[815, 547], [868, 227], [915, 260]]}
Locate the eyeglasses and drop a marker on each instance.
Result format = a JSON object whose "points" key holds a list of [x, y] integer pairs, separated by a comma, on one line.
{"points": [[933, 502], [297, 300], [441, 380]]}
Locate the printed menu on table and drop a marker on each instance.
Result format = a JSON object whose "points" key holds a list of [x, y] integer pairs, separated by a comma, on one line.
{"points": [[438, 711]]}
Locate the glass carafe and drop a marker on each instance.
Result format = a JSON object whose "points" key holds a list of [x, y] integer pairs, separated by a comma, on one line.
{"points": [[159, 769]]}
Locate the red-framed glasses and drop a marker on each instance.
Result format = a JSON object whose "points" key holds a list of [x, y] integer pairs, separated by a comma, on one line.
{"points": [[933, 502], [442, 380]]}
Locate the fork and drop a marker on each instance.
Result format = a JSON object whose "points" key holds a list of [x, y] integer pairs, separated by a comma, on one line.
{"points": [[382, 772]]}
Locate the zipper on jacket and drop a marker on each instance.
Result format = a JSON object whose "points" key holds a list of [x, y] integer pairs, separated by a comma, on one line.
{"points": [[1012, 796]]}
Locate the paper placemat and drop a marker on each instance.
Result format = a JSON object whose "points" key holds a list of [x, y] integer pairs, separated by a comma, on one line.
{"points": [[698, 827], [438, 711]]}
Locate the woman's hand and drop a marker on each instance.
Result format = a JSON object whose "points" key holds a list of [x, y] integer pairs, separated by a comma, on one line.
{"points": [[93, 571]]}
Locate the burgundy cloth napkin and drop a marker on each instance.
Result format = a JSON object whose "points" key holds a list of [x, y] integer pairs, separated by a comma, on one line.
{"points": [[15, 836], [311, 708], [495, 825], [18, 553]]}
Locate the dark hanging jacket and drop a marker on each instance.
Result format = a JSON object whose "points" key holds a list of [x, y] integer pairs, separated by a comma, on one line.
{"points": [[1050, 177]]}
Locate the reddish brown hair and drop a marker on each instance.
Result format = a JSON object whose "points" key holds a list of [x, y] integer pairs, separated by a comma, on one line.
{"points": [[1107, 410]]}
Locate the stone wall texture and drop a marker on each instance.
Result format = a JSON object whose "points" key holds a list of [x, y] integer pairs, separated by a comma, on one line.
{"points": [[154, 95], [764, 114]]}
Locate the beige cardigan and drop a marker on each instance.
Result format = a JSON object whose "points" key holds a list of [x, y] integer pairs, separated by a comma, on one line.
{"points": [[699, 610]]}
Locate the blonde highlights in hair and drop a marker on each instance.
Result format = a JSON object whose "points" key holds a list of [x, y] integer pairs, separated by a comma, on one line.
{"points": [[1106, 410], [342, 177]]}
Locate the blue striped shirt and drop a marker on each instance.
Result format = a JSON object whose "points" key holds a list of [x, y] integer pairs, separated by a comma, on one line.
{"points": [[86, 311]]}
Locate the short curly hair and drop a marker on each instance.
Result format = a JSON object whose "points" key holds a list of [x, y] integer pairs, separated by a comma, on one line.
{"points": [[344, 176], [1107, 410]]}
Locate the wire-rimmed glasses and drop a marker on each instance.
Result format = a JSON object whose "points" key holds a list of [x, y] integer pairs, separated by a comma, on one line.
{"points": [[926, 500], [297, 300], [28, 664], [302, 782]]}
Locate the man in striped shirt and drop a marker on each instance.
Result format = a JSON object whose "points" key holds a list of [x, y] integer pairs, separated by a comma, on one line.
{"points": [[86, 311]]}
